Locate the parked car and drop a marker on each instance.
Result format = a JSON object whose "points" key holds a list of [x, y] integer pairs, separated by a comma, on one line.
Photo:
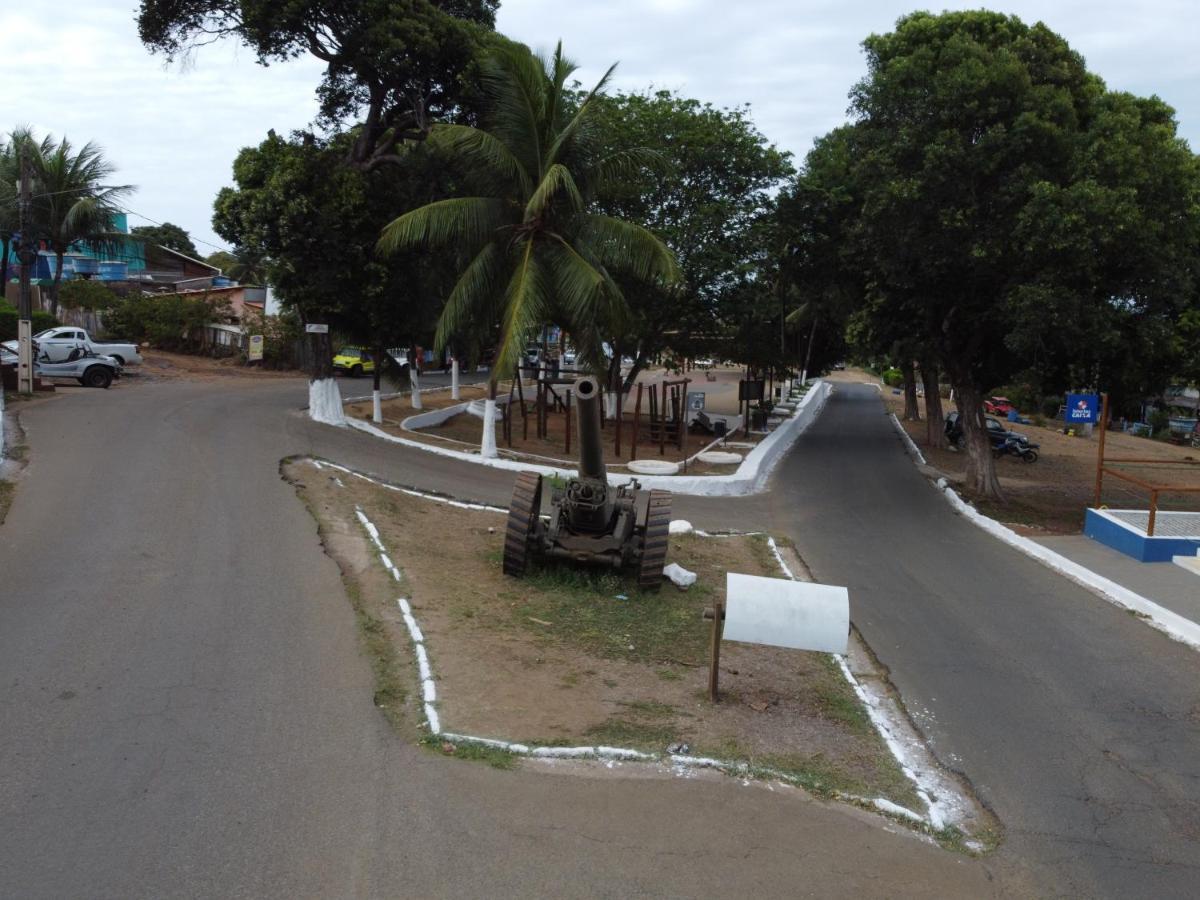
{"points": [[1003, 441], [355, 361], [998, 406], [55, 345], [89, 369]]}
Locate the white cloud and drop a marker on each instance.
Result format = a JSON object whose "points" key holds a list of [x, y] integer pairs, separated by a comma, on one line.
{"points": [[81, 70]]}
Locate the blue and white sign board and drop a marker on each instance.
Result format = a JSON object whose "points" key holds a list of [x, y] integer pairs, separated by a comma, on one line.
{"points": [[1083, 409], [783, 613]]}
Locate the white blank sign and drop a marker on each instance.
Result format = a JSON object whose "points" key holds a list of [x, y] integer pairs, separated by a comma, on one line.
{"points": [[785, 613]]}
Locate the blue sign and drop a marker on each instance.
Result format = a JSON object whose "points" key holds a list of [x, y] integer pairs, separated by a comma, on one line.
{"points": [[1083, 409]]}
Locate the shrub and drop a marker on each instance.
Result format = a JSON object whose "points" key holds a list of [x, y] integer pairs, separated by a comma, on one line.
{"points": [[87, 294], [1159, 420], [893, 377], [1050, 404], [167, 321], [281, 335], [8, 321]]}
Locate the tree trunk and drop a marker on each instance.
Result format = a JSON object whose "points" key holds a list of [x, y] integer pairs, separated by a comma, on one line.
{"points": [[981, 465], [324, 398], [376, 395], [58, 258], [4, 264], [487, 443], [912, 410], [454, 389], [935, 421], [414, 378]]}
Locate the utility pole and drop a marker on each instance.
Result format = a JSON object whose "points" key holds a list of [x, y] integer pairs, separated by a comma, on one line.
{"points": [[25, 301]]}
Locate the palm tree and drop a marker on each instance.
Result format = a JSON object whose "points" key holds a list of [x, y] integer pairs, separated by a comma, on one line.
{"points": [[537, 253], [71, 203]]}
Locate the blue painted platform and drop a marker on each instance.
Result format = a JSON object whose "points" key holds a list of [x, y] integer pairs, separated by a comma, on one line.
{"points": [[1175, 533]]}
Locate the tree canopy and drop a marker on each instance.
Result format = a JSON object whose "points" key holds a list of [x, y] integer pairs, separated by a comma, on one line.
{"points": [[167, 235]]}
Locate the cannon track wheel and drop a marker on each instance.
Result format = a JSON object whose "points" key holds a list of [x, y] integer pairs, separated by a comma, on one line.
{"points": [[523, 515], [654, 541]]}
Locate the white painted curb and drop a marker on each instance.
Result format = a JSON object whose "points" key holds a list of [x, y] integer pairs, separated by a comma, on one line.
{"points": [[750, 478], [1170, 623], [913, 450]]}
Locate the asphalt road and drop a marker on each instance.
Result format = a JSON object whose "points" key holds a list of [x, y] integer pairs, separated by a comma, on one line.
{"points": [[185, 711], [1076, 723]]}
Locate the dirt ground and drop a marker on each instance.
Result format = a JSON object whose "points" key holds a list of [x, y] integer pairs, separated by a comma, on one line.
{"points": [[569, 658], [161, 365], [1050, 495], [463, 431]]}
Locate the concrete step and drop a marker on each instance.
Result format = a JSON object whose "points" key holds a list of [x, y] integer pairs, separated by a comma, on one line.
{"points": [[1191, 563]]}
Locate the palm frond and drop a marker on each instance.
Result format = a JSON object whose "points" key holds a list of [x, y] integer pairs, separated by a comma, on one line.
{"points": [[526, 305], [625, 247], [564, 137], [464, 222], [557, 183], [483, 151], [515, 81], [474, 298]]}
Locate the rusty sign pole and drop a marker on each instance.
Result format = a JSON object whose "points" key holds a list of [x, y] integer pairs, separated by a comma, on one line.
{"points": [[717, 614]]}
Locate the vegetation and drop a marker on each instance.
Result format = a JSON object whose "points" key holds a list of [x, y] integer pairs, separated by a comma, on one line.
{"points": [[539, 249], [168, 321], [167, 235], [87, 294], [8, 321]]}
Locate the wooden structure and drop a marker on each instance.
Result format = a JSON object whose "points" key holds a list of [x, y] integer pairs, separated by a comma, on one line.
{"points": [[1154, 488]]}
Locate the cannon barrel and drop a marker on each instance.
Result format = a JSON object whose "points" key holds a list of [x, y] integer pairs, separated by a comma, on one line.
{"points": [[591, 452]]}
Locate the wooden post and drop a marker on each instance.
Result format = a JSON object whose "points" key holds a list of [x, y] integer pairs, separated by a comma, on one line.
{"points": [[662, 422], [1153, 513], [508, 412], [717, 614], [637, 418], [683, 413], [524, 411], [1100, 448]]}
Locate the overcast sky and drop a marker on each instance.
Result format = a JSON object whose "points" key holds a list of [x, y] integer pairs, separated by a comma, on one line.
{"points": [[78, 69]]}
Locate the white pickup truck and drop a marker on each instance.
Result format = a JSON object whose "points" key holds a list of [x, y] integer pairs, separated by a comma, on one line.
{"points": [[55, 345]]}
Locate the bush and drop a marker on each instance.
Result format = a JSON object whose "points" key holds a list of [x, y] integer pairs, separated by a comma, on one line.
{"points": [[893, 377], [8, 321], [1049, 405], [281, 335], [87, 294], [167, 321], [1159, 420]]}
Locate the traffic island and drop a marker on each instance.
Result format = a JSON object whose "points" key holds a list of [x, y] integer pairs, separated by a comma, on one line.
{"points": [[568, 662]]}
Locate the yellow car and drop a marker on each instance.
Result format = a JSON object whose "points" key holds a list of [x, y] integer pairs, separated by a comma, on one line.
{"points": [[354, 360]]}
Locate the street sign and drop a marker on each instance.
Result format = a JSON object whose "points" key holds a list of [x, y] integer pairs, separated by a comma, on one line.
{"points": [[783, 613], [316, 329], [1082, 409], [695, 401], [255, 353]]}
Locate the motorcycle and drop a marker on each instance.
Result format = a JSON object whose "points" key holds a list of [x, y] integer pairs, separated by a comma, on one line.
{"points": [[1015, 446]]}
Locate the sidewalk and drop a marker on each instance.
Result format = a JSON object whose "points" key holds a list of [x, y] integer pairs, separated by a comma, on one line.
{"points": [[1170, 586]]}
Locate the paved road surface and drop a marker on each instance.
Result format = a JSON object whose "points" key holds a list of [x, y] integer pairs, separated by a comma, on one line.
{"points": [[1078, 724], [185, 711]]}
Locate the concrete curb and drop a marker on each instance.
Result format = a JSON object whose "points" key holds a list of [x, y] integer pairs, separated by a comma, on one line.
{"points": [[750, 478]]}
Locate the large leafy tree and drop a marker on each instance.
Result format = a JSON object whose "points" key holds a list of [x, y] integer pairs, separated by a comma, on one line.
{"points": [[538, 250], [72, 203], [312, 222], [167, 235], [1004, 192], [394, 66], [711, 204]]}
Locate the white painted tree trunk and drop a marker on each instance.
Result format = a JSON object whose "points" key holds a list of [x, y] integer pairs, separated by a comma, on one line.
{"points": [[454, 378], [325, 402], [415, 378], [487, 446], [610, 404], [376, 407]]}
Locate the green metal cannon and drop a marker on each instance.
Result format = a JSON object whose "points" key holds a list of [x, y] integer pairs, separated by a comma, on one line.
{"points": [[591, 522]]}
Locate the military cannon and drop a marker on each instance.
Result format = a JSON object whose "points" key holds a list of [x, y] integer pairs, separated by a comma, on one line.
{"points": [[591, 522]]}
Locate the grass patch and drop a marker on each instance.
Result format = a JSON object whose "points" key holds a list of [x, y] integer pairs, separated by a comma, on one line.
{"points": [[836, 700], [496, 757], [621, 731], [7, 490], [583, 610]]}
